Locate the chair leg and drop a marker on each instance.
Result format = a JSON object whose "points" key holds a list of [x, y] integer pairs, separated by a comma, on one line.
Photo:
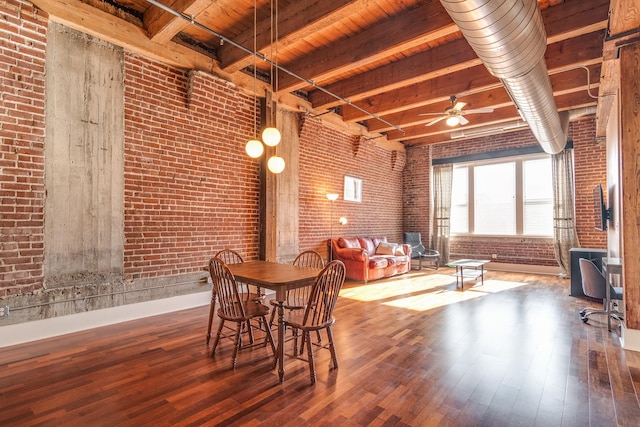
{"points": [[272, 317], [250, 331], [217, 340], [312, 367], [332, 348], [236, 345], [212, 308]]}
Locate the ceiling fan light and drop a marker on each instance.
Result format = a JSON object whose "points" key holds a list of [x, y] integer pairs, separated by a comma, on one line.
{"points": [[452, 121]]}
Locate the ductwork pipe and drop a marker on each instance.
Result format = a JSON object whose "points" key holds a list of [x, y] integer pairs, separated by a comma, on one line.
{"points": [[509, 38]]}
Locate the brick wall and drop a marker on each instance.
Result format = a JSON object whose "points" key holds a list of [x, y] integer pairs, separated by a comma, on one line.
{"points": [[326, 156], [190, 189], [22, 75], [590, 169]]}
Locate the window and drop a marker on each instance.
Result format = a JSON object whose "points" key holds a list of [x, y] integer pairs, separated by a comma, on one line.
{"points": [[506, 197]]}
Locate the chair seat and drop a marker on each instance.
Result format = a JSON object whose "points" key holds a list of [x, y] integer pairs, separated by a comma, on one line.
{"points": [[295, 319], [252, 309]]}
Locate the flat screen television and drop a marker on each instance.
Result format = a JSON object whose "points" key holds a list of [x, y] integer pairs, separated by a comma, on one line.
{"points": [[600, 211]]}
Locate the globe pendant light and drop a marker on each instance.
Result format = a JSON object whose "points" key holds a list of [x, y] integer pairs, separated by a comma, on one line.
{"points": [[275, 164], [271, 136], [254, 148]]}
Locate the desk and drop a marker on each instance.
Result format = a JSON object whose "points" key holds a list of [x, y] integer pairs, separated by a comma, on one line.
{"points": [[468, 263], [280, 278]]}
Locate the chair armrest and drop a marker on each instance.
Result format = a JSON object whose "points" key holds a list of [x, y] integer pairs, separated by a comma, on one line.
{"points": [[407, 249], [355, 254]]}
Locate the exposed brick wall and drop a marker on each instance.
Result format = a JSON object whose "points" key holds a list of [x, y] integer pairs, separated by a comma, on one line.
{"points": [[326, 156], [190, 189], [590, 169], [22, 74], [416, 190]]}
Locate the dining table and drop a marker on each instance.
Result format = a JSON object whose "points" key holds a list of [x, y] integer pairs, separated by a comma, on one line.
{"points": [[279, 278]]}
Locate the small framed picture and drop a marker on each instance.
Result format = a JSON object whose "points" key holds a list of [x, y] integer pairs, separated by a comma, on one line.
{"points": [[352, 189]]}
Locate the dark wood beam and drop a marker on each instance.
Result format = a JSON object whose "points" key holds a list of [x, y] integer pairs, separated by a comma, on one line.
{"points": [[566, 54], [586, 17], [405, 31], [295, 22], [162, 26]]}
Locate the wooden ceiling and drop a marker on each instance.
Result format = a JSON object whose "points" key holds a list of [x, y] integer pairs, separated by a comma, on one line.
{"points": [[377, 63]]}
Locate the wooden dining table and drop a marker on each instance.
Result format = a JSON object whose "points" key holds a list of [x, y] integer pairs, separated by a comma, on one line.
{"points": [[280, 278]]}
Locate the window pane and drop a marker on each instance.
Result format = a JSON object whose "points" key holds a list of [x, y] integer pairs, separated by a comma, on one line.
{"points": [[495, 199], [460, 200], [537, 197]]}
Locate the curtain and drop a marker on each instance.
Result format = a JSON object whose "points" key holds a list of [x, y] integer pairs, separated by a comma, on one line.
{"points": [[442, 177], [564, 231]]}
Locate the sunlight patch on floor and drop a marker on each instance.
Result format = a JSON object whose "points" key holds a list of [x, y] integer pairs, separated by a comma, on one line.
{"points": [[426, 293]]}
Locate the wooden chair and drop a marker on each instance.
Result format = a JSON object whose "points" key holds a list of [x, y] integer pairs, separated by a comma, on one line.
{"points": [[229, 256], [234, 308], [318, 313], [297, 298]]}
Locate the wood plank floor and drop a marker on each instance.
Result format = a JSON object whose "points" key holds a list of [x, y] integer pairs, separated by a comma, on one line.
{"points": [[413, 351]]}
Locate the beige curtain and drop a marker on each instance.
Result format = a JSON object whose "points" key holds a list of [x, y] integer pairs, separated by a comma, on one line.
{"points": [[442, 177], [564, 231]]}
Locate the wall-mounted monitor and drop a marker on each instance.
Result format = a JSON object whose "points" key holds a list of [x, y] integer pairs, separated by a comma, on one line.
{"points": [[600, 212]]}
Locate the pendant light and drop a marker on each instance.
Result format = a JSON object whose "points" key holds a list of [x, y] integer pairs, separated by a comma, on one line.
{"points": [[271, 135], [254, 148]]}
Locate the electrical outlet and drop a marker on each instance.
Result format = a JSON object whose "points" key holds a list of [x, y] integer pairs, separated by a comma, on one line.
{"points": [[4, 311], [494, 256]]}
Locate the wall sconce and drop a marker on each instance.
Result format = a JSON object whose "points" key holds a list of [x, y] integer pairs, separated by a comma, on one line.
{"points": [[342, 221], [332, 198]]}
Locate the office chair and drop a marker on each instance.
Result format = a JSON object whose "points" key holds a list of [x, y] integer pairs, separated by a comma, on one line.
{"points": [[594, 285]]}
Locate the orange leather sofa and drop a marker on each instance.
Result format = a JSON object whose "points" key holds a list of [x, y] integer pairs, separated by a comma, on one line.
{"points": [[371, 258]]}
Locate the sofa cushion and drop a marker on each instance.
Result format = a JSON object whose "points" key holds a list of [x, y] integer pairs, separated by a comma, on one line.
{"points": [[368, 244], [385, 248], [349, 242], [378, 262]]}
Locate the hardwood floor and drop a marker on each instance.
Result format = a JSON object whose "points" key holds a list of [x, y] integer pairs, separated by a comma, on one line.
{"points": [[413, 351]]}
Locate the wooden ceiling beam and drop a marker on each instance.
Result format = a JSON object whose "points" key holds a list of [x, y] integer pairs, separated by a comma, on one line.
{"points": [[295, 22], [585, 49], [404, 31], [162, 26], [586, 17], [623, 24], [93, 21]]}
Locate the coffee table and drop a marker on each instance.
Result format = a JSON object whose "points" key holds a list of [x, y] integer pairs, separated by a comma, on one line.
{"points": [[472, 266]]}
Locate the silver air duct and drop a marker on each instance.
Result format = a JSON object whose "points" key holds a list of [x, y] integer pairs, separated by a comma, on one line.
{"points": [[509, 38]]}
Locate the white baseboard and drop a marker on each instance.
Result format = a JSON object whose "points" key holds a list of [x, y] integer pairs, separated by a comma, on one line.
{"points": [[47, 328], [523, 268]]}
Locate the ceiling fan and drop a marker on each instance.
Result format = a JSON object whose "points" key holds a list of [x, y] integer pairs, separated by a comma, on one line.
{"points": [[454, 115]]}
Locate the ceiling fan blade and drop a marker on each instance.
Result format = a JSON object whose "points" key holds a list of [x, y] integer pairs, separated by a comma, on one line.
{"points": [[432, 122], [463, 121], [430, 114], [459, 106], [478, 110]]}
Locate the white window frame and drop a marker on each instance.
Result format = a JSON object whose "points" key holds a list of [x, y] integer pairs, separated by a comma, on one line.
{"points": [[519, 194]]}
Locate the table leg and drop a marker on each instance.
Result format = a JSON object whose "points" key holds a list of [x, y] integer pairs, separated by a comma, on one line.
{"points": [[482, 274], [462, 277], [281, 341]]}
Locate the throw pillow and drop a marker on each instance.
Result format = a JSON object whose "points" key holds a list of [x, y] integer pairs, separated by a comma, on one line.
{"points": [[385, 248], [399, 251]]}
